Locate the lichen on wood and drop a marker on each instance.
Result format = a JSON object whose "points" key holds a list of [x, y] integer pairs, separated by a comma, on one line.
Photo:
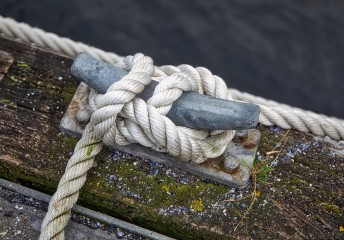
{"points": [[301, 197]]}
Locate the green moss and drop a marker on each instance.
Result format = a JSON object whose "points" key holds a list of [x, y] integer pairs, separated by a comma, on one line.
{"points": [[62, 145], [14, 79], [67, 94], [8, 102], [295, 189], [140, 196], [42, 178], [331, 208], [20, 73], [165, 188], [197, 205], [67, 139], [137, 196], [163, 191], [23, 65], [89, 150], [16, 173]]}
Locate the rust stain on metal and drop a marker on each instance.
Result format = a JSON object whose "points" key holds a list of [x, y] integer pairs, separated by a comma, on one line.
{"points": [[69, 122], [250, 145], [244, 149], [238, 175], [214, 163], [251, 141], [218, 164], [234, 171]]}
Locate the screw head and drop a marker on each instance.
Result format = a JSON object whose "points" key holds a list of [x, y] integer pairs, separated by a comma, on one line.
{"points": [[231, 163], [83, 115], [240, 136]]}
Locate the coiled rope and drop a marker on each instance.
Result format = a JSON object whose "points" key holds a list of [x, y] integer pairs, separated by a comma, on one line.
{"points": [[120, 118], [272, 113]]}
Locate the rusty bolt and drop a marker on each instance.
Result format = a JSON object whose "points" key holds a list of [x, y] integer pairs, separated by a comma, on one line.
{"points": [[231, 163], [240, 136]]}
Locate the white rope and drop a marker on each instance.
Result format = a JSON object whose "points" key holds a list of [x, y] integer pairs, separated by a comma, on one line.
{"points": [[272, 113], [287, 117], [120, 118], [26, 33]]}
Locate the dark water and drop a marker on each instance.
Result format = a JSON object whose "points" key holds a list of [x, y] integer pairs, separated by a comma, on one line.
{"points": [[290, 51]]}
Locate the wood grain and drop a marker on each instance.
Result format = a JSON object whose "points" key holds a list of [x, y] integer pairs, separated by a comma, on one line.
{"points": [[302, 198]]}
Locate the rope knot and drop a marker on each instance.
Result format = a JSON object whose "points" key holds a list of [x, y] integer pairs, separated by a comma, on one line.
{"points": [[122, 118]]}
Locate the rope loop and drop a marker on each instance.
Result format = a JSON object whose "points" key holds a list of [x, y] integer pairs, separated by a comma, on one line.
{"points": [[120, 118]]}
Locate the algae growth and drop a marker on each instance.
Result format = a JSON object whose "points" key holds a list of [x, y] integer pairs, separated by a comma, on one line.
{"points": [[301, 197], [7, 102]]}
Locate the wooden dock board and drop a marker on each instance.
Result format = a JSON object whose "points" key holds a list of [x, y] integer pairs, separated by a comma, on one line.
{"points": [[300, 198]]}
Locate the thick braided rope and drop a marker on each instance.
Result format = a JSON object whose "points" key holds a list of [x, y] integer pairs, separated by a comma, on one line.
{"points": [[287, 117], [277, 114], [121, 118], [85, 151], [146, 124], [26, 33], [274, 113]]}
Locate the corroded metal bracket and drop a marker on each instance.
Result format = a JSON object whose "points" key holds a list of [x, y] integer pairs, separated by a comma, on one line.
{"points": [[232, 168]]}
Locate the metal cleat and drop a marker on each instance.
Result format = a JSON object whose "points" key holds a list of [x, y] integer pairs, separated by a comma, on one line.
{"points": [[191, 110]]}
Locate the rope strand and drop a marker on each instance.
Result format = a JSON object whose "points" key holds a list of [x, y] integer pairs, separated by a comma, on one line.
{"points": [[273, 113], [118, 117]]}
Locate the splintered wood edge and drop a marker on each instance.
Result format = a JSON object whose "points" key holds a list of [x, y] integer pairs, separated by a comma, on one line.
{"points": [[6, 61]]}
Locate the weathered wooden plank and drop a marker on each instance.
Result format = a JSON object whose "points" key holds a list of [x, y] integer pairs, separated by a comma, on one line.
{"points": [[6, 61], [301, 198]]}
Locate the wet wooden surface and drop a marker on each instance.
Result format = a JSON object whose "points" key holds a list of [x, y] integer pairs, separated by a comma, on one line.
{"points": [[300, 198]]}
